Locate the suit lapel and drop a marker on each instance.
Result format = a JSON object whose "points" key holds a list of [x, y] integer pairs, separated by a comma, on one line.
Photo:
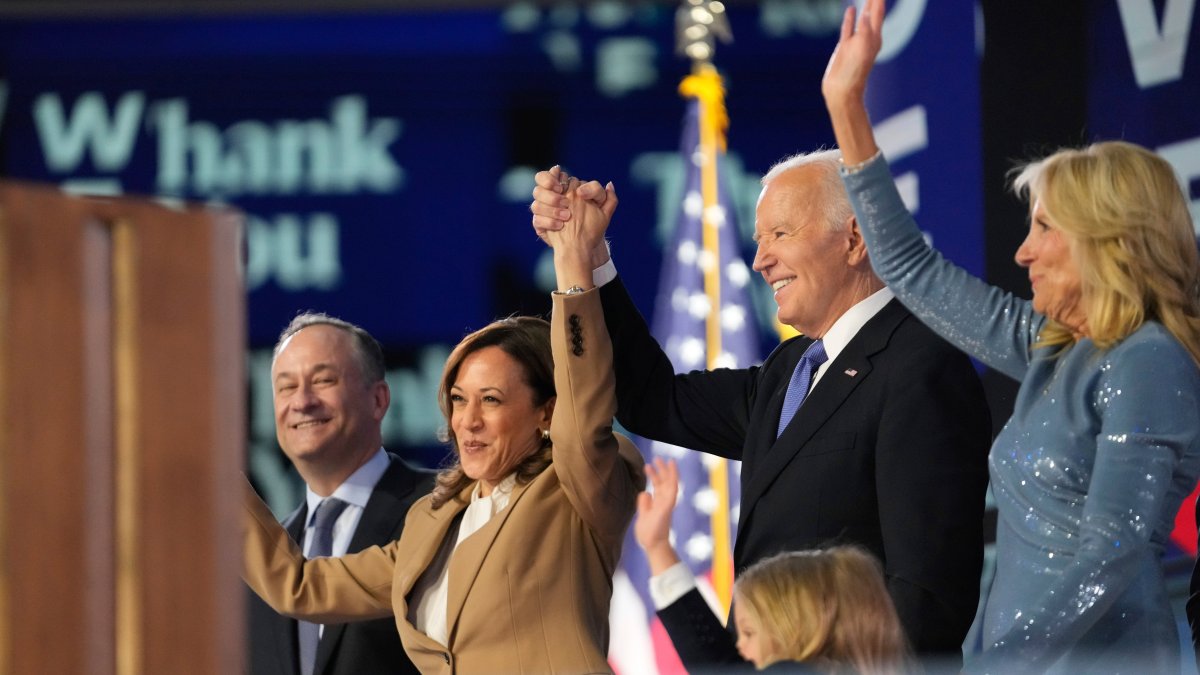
{"points": [[849, 370], [384, 513], [824, 401], [426, 531], [468, 558]]}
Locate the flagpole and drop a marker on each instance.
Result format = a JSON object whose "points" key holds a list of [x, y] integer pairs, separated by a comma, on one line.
{"points": [[698, 24]]}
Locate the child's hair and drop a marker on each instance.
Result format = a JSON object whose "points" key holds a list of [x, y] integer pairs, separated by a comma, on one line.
{"points": [[828, 607]]}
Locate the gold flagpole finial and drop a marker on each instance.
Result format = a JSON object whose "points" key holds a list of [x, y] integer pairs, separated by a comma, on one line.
{"points": [[698, 26]]}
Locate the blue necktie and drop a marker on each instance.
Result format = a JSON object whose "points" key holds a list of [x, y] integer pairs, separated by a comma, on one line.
{"points": [[322, 546], [813, 357]]}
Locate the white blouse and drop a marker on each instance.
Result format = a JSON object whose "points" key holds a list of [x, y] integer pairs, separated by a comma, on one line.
{"points": [[427, 610]]}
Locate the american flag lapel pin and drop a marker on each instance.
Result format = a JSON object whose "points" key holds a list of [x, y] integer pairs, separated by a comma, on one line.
{"points": [[851, 372]]}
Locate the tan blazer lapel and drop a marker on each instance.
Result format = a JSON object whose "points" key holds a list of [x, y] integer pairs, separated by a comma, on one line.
{"points": [[422, 538], [467, 559], [428, 529]]}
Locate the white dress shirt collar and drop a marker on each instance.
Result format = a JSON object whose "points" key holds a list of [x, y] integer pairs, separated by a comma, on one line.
{"points": [[847, 326], [500, 494], [357, 488], [356, 492]]}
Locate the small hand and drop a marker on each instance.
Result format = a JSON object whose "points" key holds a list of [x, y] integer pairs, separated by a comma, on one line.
{"points": [[652, 529], [852, 59], [584, 231], [551, 203]]}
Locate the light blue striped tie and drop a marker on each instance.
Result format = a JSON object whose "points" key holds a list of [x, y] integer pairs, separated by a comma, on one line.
{"points": [[813, 357]]}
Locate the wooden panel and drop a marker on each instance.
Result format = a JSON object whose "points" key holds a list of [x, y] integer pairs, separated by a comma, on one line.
{"points": [[58, 611], [122, 426], [182, 315]]}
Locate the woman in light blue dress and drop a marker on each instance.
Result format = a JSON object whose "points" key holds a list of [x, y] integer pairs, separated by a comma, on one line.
{"points": [[1104, 440]]}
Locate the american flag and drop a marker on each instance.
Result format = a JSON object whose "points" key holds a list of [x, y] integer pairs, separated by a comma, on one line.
{"points": [[639, 643]]}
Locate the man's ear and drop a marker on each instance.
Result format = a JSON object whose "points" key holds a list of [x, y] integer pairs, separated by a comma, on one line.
{"points": [[381, 397], [856, 245]]}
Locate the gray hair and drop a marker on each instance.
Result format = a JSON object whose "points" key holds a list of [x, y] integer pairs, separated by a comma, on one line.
{"points": [[366, 348], [834, 203]]}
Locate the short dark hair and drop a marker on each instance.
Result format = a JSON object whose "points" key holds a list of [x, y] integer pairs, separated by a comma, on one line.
{"points": [[366, 347]]}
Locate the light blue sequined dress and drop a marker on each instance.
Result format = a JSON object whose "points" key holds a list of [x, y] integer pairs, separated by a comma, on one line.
{"points": [[1088, 473]]}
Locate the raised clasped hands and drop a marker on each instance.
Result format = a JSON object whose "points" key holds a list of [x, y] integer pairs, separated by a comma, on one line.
{"points": [[845, 77], [570, 212]]}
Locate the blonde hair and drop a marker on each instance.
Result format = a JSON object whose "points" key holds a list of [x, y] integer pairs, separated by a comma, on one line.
{"points": [[1132, 238], [828, 607], [527, 340]]}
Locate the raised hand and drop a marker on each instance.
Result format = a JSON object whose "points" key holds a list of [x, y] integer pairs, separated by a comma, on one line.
{"points": [[551, 206], [584, 229], [852, 59], [845, 81], [652, 529]]}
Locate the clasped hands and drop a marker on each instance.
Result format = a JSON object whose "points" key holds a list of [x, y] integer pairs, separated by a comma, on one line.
{"points": [[571, 214]]}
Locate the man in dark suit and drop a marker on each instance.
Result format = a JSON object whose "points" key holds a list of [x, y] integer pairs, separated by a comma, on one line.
{"points": [[887, 449], [330, 398]]}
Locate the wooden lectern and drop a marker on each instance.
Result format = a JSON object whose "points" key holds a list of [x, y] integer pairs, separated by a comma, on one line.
{"points": [[122, 432]]}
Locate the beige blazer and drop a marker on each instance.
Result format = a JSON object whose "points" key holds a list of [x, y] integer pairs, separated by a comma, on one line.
{"points": [[530, 591]]}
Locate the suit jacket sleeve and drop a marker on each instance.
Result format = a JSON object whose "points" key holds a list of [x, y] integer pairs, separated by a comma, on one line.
{"points": [[600, 473], [705, 410], [699, 638], [322, 590]]}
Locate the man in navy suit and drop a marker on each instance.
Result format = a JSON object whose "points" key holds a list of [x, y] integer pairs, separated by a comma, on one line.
{"points": [[330, 397], [888, 449]]}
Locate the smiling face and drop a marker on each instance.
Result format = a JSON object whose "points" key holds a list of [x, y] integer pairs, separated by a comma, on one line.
{"points": [[752, 643], [809, 265], [327, 417], [1053, 272], [495, 420]]}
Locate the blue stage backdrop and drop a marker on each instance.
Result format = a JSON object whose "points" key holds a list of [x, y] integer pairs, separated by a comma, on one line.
{"points": [[1145, 81], [384, 161], [1145, 88], [924, 103]]}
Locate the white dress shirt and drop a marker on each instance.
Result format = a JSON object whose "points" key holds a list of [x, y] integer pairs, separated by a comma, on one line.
{"points": [[355, 491]]}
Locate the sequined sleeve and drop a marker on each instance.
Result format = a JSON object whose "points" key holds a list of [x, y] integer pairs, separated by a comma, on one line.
{"points": [[993, 326], [1146, 395]]}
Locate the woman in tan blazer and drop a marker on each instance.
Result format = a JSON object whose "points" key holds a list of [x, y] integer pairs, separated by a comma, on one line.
{"points": [[506, 567]]}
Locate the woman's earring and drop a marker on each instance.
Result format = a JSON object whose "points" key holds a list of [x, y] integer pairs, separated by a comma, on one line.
{"points": [[545, 434]]}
